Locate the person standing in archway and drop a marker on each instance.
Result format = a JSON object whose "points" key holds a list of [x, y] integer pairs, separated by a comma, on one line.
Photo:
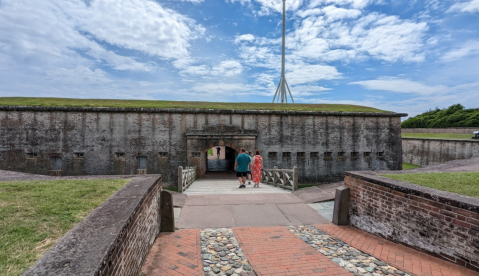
{"points": [[241, 167], [218, 152], [257, 168]]}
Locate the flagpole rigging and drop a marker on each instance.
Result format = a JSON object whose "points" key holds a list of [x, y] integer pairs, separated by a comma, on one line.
{"points": [[283, 84]]}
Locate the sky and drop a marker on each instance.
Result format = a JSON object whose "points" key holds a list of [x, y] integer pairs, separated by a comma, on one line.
{"points": [[403, 56]]}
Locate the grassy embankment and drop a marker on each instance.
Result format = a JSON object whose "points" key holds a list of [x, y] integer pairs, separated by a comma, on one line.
{"points": [[35, 214], [447, 136], [409, 166], [464, 183], [20, 101]]}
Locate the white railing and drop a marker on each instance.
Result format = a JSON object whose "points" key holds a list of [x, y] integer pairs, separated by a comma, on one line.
{"points": [[284, 178], [186, 176]]}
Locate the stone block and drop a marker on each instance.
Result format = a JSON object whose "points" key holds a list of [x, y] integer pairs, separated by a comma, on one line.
{"points": [[167, 212], [341, 206]]}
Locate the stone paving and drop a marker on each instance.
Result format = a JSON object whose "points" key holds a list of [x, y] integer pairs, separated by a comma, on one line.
{"points": [[346, 256], [222, 255]]}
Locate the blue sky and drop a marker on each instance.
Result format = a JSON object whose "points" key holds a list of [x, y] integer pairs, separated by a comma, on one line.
{"points": [[405, 56]]}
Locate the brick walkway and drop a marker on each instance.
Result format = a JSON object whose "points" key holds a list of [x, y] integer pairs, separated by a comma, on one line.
{"points": [[277, 251], [397, 255], [175, 254]]}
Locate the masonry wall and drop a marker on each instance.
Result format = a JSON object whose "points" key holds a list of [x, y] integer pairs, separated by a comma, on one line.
{"points": [[425, 152], [457, 130], [113, 240], [109, 140], [443, 224]]}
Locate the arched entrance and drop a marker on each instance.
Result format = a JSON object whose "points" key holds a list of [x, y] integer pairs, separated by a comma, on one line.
{"points": [[220, 159], [199, 142]]}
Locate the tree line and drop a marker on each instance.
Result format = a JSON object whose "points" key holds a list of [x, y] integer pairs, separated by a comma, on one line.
{"points": [[453, 116]]}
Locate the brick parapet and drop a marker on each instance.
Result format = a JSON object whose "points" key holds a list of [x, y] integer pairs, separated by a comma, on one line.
{"points": [[443, 224], [113, 240]]}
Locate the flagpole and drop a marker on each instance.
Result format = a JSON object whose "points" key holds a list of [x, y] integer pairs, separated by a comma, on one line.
{"points": [[282, 85]]}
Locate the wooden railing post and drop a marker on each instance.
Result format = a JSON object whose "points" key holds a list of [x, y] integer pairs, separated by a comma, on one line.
{"points": [[295, 177], [275, 177], [180, 179]]}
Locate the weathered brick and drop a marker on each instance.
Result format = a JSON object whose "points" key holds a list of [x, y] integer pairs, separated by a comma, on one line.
{"points": [[452, 227]]}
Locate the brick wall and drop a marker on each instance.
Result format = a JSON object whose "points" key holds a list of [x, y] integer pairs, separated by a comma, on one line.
{"points": [[443, 224], [113, 240]]}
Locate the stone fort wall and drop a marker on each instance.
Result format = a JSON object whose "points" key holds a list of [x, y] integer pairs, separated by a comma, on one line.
{"points": [[425, 152], [453, 130], [95, 141]]}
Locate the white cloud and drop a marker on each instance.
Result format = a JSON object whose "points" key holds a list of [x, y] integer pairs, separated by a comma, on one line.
{"points": [[468, 6], [469, 48], [226, 68], [268, 7], [139, 25], [192, 1], [245, 37], [58, 34], [401, 86], [357, 4], [379, 36], [308, 90], [308, 73]]}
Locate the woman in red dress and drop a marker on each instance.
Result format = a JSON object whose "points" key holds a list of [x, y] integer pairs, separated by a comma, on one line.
{"points": [[257, 168]]}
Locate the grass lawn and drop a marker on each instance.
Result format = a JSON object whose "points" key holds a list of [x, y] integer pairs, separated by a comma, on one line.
{"points": [[408, 166], [464, 183], [20, 101], [171, 188], [301, 186], [35, 214], [439, 136]]}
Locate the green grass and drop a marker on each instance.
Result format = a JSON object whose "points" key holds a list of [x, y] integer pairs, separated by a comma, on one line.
{"points": [[210, 152], [438, 136], [464, 183], [35, 214], [408, 166], [20, 101], [301, 186], [171, 188]]}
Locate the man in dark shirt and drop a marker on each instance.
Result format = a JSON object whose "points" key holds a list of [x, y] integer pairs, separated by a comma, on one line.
{"points": [[218, 152], [242, 167]]}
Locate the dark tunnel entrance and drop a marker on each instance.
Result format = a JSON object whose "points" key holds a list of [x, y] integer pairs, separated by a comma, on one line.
{"points": [[220, 159]]}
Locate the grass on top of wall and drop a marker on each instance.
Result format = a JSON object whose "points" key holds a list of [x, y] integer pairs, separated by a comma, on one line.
{"points": [[27, 101], [464, 183], [447, 136], [409, 166], [35, 214]]}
